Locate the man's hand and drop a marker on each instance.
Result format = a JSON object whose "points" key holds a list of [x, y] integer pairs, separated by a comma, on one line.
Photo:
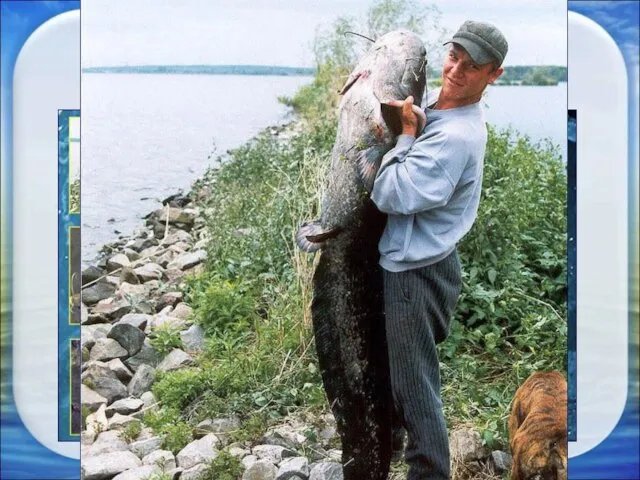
{"points": [[413, 118]]}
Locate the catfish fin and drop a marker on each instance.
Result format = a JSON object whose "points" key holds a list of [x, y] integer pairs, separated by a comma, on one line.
{"points": [[368, 162], [349, 83], [310, 236]]}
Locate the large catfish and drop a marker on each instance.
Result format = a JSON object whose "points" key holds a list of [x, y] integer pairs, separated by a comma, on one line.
{"points": [[347, 307]]}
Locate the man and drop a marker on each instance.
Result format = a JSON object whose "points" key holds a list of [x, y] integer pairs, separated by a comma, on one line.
{"points": [[429, 185]]}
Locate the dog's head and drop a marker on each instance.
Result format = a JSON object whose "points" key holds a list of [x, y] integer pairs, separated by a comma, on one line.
{"points": [[540, 460]]}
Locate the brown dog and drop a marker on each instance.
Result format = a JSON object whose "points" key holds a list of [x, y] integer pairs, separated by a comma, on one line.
{"points": [[538, 428]]}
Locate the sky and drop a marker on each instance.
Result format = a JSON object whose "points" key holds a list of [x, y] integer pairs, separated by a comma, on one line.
{"points": [[277, 32]]}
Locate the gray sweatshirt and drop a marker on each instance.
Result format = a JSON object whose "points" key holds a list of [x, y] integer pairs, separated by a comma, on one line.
{"points": [[430, 187]]}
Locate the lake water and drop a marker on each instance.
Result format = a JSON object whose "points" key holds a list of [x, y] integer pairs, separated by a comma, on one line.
{"points": [[146, 136]]}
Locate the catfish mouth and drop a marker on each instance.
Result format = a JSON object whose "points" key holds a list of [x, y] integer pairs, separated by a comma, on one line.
{"points": [[391, 116]]}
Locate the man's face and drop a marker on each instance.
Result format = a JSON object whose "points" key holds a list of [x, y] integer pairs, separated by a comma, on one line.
{"points": [[463, 80]]}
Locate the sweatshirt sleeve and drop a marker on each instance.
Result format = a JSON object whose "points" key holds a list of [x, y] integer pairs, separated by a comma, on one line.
{"points": [[418, 175]]}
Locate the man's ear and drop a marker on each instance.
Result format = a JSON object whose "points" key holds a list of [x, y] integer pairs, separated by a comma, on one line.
{"points": [[495, 74]]}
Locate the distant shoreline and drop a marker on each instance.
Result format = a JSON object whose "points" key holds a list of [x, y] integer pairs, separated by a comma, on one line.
{"points": [[205, 70]]}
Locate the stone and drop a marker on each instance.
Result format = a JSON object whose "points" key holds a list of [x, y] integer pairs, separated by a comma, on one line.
{"points": [[112, 308], [147, 355], [144, 447], [129, 290], [502, 461], [131, 254], [260, 470], [182, 311], [90, 399], [129, 337], [91, 274], [218, 426], [99, 291], [110, 388], [117, 261], [193, 473], [273, 453], [193, 339], [138, 320], [84, 314], [143, 243], [326, 471], [119, 422], [163, 458], [106, 442], [161, 320], [175, 237], [175, 216], [96, 369], [466, 445], [199, 451], [248, 460], [97, 422], [188, 260], [105, 466], [127, 275], [175, 360], [122, 372], [291, 467], [126, 406], [166, 258], [141, 381], [139, 473], [150, 271], [169, 298], [107, 349]]}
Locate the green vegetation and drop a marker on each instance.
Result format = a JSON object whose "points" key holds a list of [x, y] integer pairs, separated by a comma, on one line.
{"points": [[533, 75], [131, 431], [223, 467], [165, 338], [253, 298]]}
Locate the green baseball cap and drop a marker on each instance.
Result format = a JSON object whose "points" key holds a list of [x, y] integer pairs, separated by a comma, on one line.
{"points": [[483, 42]]}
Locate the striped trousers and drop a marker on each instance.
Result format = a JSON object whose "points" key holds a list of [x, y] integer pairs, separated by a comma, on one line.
{"points": [[418, 308]]}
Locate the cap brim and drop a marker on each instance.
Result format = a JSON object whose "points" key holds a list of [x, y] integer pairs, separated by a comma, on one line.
{"points": [[477, 53]]}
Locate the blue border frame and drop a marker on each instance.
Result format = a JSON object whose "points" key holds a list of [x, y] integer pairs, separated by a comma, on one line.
{"points": [[22, 457], [66, 331], [618, 456], [572, 421]]}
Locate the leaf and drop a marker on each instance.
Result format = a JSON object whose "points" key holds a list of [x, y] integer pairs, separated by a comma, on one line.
{"points": [[492, 275]]}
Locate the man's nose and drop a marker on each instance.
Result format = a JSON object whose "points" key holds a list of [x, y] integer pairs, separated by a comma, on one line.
{"points": [[456, 70]]}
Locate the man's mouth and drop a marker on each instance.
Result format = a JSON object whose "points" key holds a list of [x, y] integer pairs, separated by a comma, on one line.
{"points": [[455, 83]]}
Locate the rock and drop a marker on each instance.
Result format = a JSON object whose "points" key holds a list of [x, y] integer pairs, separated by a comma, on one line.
{"points": [[326, 471], [188, 260], [131, 254], [99, 291], [122, 372], [166, 258], [248, 460], [105, 466], [95, 369], [150, 271], [175, 216], [119, 260], [182, 311], [90, 399], [466, 445], [238, 452], [260, 470], [144, 447], [163, 458], [143, 243], [169, 298], [110, 388], [176, 360], [162, 319], [174, 274], [193, 339], [107, 349], [127, 275], [97, 422], [139, 473], [97, 330], [119, 422], [180, 247], [292, 467], [147, 355], [142, 380], [129, 337], [128, 290], [148, 254], [501, 461], [148, 399], [86, 439], [126, 406], [218, 426], [201, 244], [91, 274], [273, 453], [175, 237], [113, 308], [84, 314], [106, 442], [193, 473], [200, 451], [138, 320]]}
